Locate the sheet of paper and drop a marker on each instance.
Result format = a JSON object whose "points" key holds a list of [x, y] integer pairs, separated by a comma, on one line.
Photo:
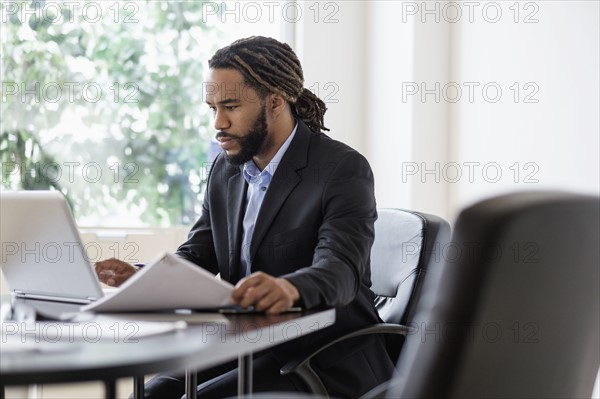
{"points": [[169, 283], [20, 346], [189, 318], [22, 335]]}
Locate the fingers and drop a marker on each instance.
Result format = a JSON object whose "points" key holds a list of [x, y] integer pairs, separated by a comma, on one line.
{"points": [[245, 287], [116, 265], [119, 279], [273, 303], [106, 276], [265, 293], [245, 284], [113, 272]]}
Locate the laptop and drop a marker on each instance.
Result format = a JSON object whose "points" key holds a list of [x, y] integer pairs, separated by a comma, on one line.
{"points": [[41, 253]]}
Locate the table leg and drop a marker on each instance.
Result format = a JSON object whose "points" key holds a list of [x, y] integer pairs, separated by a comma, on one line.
{"points": [[245, 374], [138, 387], [110, 389], [2, 392], [191, 384]]}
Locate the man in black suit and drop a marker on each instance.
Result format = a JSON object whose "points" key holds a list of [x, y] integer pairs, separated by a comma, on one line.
{"points": [[287, 216]]}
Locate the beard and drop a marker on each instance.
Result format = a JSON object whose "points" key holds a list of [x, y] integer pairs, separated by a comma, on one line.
{"points": [[251, 143]]}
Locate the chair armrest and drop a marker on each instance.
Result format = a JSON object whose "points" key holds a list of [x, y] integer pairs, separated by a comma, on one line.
{"points": [[300, 364], [382, 390]]}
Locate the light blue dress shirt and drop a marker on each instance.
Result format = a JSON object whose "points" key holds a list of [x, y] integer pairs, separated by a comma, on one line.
{"points": [[258, 183]]}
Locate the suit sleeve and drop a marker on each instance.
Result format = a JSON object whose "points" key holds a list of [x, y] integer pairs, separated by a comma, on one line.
{"points": [[199, 247], [341, 260]]}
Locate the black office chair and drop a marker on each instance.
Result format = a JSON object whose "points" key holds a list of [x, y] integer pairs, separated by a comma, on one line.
{"points": [[515, 312], [407, 244]]}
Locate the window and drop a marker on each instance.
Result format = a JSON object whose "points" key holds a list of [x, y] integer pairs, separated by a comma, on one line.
{"points": [[103, 100]]}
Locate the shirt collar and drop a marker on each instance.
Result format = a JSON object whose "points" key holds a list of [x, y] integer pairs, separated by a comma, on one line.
{"points": [[252, 173]]}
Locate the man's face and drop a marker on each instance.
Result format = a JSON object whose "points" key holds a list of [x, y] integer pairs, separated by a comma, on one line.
{"points": [[240, 115]]}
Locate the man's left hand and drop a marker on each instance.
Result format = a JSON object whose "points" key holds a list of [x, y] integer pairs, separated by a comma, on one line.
{"points": [[266, 293]]}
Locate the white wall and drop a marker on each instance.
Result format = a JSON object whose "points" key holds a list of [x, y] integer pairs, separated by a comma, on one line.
{"points": [[389, 124], [558, 135], [379, 50], [330, 42]]}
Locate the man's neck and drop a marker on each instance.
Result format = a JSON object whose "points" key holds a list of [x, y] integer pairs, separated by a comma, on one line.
{"points": [[274, 142]]}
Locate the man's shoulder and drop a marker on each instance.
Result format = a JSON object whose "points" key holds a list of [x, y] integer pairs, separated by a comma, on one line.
{"points": [[324, 145], [331, 157]]}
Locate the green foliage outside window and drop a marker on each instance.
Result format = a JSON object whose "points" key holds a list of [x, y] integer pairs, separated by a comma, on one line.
{"points": [[102, 101]]}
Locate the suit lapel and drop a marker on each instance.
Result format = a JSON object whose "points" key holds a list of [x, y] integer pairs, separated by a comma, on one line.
{"points": [[236, 193], [282, 184]]}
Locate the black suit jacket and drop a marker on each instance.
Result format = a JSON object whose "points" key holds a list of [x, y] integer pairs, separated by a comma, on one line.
{"points": [[314, 228]]}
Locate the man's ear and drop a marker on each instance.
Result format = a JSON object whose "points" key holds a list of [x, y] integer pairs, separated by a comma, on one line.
{"points": [[277, 103]]}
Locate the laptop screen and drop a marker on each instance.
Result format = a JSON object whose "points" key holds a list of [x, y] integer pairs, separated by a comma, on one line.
{"points": [[41, 252]]}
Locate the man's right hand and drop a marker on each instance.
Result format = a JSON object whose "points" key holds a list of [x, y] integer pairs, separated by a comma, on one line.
{"points": [[113, 271]]}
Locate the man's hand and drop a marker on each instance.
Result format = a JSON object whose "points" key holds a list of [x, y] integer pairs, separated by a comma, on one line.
{"points": [[114, 272], [266, 293]]}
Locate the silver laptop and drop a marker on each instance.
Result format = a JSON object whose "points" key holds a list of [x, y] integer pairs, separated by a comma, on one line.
{"points": [[42, 256]]}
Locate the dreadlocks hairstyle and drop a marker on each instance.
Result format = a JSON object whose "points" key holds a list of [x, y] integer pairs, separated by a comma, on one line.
{"points": [[270, 66]]}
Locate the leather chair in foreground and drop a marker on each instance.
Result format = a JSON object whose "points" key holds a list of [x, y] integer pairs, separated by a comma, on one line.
{"points": [[407, 244], [515, 312]]}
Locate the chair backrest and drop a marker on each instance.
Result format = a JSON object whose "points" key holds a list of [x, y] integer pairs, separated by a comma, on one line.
{"points": [[517, 313], [407, 244]]}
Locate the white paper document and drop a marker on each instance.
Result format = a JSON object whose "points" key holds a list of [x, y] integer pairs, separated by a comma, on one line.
{"points": [[22, 336], [168, 283], [189, 318]]}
